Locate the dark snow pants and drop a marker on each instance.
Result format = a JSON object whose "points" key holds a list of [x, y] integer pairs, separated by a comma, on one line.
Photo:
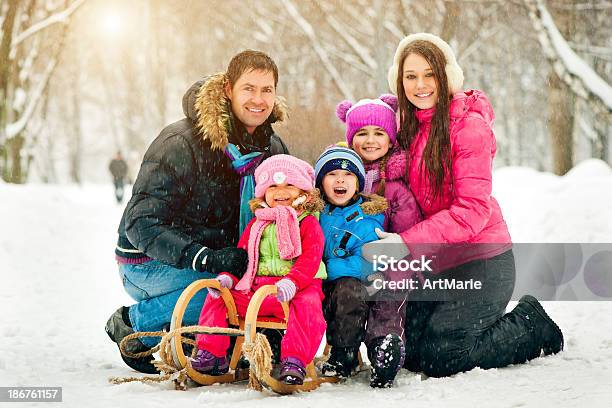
{"points": [[451, 336], [118, 183], [347, 310]]}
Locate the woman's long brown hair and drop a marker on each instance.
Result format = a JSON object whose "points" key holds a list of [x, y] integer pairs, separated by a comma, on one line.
{"points": [[383, 172], [436, 156]]}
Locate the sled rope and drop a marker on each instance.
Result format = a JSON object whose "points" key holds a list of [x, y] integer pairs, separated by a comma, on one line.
{"points": [[164, 365], [258, 353]]}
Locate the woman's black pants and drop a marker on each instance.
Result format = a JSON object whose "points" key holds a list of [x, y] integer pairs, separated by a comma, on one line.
{"points": [[464, 331]]}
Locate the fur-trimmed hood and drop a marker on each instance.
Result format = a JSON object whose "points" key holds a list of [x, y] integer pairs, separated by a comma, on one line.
{"points": [[373, 204], [207, 106]]}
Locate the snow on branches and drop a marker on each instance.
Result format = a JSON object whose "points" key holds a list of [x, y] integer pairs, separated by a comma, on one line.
{"points": [[572, 69]]}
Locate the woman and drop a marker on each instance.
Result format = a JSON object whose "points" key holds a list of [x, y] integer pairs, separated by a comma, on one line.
{"points": [[448, 136]]}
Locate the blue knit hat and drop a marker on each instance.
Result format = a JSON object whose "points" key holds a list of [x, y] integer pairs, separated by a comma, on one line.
{"points": [[337, 157]]}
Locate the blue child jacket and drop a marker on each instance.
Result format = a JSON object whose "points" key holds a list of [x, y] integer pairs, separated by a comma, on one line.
{"points": [[346, 230]]}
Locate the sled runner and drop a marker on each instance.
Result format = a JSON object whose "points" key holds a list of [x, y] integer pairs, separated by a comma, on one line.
{"points": [[248, 342], [178, 354]]}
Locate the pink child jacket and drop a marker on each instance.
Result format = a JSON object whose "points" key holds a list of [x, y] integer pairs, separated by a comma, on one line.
{"points": [[306, 265], [403, 211], [466, 213]]}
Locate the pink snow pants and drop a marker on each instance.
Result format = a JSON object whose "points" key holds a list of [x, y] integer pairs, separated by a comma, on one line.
{"points": [[305, 326]]}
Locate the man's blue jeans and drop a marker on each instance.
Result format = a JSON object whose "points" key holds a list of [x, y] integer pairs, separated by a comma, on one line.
{"points": [[156, 287]]}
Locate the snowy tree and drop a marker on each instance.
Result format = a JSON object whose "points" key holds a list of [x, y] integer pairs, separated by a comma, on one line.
{"points": [[571, 77], [33, 36], [131, 82]]}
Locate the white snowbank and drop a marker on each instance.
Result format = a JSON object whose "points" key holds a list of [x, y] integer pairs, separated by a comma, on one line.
{"points": [[60, 284], [543, 207]]}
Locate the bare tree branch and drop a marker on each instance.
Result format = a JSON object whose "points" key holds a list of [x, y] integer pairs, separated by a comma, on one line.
{"points": [[61, 17], [572, 69], [320, 51], [394, 29], [16, 127], [360, 50]]}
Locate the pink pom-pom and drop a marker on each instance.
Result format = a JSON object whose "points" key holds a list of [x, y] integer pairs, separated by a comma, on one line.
{"points": [[342, 109], [390, 100]]}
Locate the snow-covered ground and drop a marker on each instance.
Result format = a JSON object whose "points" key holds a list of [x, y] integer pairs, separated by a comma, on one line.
{"points": [[60, 283]]}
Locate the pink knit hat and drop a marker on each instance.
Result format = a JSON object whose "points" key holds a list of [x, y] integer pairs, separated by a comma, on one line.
{"points": [[283, 168], [369, 112]]}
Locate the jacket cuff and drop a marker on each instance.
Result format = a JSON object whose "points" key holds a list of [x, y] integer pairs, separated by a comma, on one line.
{"points": [[194, 257]]}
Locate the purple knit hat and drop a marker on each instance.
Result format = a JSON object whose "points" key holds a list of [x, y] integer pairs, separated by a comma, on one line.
{"points": [[369, 112], [283, 168]]}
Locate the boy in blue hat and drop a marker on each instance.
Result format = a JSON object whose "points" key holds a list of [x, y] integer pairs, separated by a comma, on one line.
{"points": [[348, 222]]}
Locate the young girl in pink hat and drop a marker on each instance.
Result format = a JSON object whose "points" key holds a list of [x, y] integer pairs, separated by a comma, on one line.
{"points": [[285, 246]]}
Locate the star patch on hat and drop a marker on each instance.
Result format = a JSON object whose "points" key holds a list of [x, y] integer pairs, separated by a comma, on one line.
{"points": [[279, 177]]}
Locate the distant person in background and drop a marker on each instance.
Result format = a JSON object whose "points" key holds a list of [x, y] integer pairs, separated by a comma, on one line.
{"points": [[118, 168], [190, 200]]}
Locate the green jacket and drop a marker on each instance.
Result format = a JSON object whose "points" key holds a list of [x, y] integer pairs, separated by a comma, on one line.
{"points": [[270, 262]]}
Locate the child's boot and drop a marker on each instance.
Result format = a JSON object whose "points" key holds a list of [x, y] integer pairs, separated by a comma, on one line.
{"points": [[386, 356], [292, 371], [207, 363], [342, 362]]}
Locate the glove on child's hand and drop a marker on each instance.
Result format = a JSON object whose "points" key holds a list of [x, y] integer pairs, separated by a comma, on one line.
{"points": [[286, 290], [225, 281]]}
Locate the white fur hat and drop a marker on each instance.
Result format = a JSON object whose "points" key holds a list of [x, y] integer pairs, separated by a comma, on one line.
{"points": [[454, 73]]}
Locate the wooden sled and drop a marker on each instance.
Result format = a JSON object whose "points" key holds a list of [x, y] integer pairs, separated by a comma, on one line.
{"points": [[247, 331], [178, 355]]}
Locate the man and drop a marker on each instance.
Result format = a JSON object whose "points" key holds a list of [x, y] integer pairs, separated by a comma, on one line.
{"points": [[190, 199], [118, 169]]}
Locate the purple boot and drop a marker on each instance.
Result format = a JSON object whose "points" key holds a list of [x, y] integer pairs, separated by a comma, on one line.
{"points": [[206, 363], [292, 371]]}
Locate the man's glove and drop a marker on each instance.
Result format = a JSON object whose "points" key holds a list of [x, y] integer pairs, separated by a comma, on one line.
{"points": [[225, 281], [286, 290], [231, 259], [389, 244]]}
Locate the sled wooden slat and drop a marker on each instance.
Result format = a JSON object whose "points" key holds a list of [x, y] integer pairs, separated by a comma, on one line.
{"points": [[250, 320], [177, 320], [312, 380]]}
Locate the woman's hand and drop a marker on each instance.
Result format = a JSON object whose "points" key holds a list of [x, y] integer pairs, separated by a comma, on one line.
{"points": [[389, 244]]}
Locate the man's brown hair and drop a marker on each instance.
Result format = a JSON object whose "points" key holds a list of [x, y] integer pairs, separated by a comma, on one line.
{"points": [[250, 60]]}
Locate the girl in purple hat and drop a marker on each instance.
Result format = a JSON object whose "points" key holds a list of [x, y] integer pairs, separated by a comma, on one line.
{"points": [[371, 130]]}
